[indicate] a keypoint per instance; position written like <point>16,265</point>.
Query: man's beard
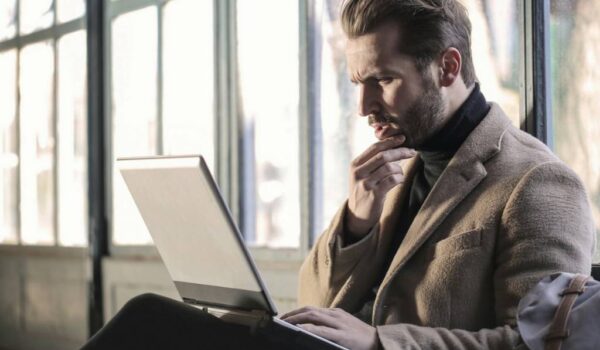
<point>422,119</point>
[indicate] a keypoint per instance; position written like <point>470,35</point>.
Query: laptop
<point>201,246</point>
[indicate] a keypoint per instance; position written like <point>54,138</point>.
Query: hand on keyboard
<point>336,325</point>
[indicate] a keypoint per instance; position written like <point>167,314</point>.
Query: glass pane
<point>7,19</point>
<point>72,142</point>
<point>34,15</point>
<point>9,158</point>
<point>134,74</point>
<point>37,144</point>
<point>575,49</point>
<point>495,45</point>
<point>188,80</point>
<point>345,135</point>
<point>69,9</point>
<point>269,99</point>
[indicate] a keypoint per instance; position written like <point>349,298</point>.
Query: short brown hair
<point>428,26</point>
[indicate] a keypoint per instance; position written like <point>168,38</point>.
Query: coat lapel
<point>464,172</point>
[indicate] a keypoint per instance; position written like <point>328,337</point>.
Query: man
<point>436,257</point>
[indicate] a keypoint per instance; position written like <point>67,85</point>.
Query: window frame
<point>535,88</point>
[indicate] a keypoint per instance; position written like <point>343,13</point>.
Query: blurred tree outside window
<point>575,53</point>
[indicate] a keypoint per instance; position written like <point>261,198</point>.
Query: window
<point>9,161</point>
<point>495,44</point>
<point>72,141</point>
<point>134,76</point>
<point>35,15</point>
<point>43,156</point>
<point>8,22</point>
<point>37,146</point>
<point>268,72</point>
<point>575,89</point>
<point>161,92</point>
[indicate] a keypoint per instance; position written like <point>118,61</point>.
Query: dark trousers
<point>151,321</point>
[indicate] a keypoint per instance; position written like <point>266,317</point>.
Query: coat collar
<point>464,172</point>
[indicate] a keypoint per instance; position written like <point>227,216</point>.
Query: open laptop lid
<point>194,232</point>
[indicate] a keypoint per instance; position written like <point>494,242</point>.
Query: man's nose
<point>367,101</point>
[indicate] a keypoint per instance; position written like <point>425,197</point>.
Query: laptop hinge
<point>251,318</point>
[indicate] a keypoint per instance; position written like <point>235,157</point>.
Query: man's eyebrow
<point>383,72</point>
<point>374,75</point>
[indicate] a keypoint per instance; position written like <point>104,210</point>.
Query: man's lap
<point>151,321</point>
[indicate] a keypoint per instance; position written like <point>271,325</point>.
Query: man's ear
<point>450,66</point>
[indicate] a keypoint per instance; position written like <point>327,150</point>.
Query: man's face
<point>397,98</point>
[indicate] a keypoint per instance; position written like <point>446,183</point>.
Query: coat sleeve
<point>546,227</point>
<point>330,266</point>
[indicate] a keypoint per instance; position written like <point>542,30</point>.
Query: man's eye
<point>385,80</point>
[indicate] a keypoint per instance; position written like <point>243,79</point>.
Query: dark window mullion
<point>309,114</point>
<point>97,158</point>
<point>536,111</point>
<point>159,81</point>
<point>541,67</point>
<point>229,159</point>
<point>18,122</point>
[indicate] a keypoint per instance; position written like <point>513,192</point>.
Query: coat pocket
<point>456,243</point>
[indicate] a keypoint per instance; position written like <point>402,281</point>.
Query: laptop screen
<point>193,232</point>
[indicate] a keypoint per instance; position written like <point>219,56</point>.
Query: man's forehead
<point>374,52</point>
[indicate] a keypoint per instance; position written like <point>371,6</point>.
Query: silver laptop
<point>202,247</point>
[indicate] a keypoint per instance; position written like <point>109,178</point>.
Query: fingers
<point>293,312</point>
<point>372,181</point>
<point>331,311</point>
<point>313,315</point>
<point>389,182</point>
<point>377,147</point>
<point>383,158</point>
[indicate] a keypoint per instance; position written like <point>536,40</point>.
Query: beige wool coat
<point>503,214</point>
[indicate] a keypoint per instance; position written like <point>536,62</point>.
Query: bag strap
<point>558,328</point>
